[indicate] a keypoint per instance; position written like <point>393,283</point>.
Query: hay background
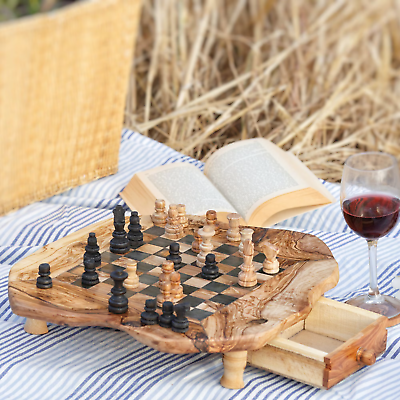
<point>318,78</point>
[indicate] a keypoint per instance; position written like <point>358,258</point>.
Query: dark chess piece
<point>180,323</point>
<point>118,302</point>
<point>210,269</point>
<point>90,277</point>
<point>166,316</point>
<point>135,235</point>
<point>119,244</point>
<point>92,250</point>
<point>44,280</point>
<point>174,255</point>
<point>149,316</point>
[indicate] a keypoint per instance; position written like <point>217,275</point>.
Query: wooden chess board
<point>223,315</point>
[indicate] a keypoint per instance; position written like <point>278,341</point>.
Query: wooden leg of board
<point>234,365</point>
<point>35,326</point>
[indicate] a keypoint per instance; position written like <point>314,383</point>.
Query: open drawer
<point>334,341</point>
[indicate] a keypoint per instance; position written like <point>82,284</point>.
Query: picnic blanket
<point>101,363</point>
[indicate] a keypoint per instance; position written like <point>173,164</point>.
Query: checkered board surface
<point>204,296</point>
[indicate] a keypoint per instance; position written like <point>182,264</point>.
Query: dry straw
<point>63,84</point>
<point>317,77</point>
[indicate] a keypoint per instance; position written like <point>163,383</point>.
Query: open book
<point>254,178</point>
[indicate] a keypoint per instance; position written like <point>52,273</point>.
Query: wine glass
<point>370,201</point>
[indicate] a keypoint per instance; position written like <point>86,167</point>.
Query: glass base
<point>381,304</point>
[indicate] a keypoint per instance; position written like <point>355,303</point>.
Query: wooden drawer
<point>334,341</point>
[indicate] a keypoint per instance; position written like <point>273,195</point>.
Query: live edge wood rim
<point>247,324</point>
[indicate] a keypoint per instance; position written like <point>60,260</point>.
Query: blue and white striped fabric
<point>100,363</point>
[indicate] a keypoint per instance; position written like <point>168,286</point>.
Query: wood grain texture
<point>246,324</point>
<point>313,353</point>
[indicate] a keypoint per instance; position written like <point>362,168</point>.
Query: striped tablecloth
<point>101,363</point>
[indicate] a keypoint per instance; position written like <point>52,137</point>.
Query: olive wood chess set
<point>188,284</point>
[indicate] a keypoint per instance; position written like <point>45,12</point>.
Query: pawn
<point>167,314</point>
<point>210,270</point>
<point>165,293</point>
<point>44,280</point>
<point>211,220</point>
<point>135,235</point>
<point>270,264</point>
<point>92,250</point>
<point>149,316</point>
<point>118,302</point>
<point>174,255</point>
<point>196,242</point>
<point>90,277</point>
<point>159,216</point>
<point>180,323</point>
<point>183,219</point>
<point>233,234</point>
<point>119,244</point>
<point>132,281</point>
<point>176,287</point>
<point>173,228</point>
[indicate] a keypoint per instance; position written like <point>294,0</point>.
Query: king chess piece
<point>135,235</point>
<point>119,244</point>
<point>92,250</point>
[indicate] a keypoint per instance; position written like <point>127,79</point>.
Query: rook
<point>180,323</point>
<point>149,316</point>
<point>247,277</point>
<point>166,316</point>
<point>118,303</point>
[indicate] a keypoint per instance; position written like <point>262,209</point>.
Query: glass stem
<point>373,267</point>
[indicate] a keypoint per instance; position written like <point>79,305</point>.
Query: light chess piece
<point>247,276</point>
<point>183,219</point>
<point>159,216</point>
<point>165,293</point>
<point>270,264</point>
<point>206,233</point>
<point>176,287</point>
<point>167,269</point>
<point>173,228</point>
<point>196,242</point>
<point>211,220</point>
<point>233,233</point>
<point>245,234</point>
<point>132,281</point>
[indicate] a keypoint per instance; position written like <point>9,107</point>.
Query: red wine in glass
<point>371,216</point>
<point>370,200</point>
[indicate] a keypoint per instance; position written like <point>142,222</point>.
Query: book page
<point>183,183</point>
<point>248,173</point>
